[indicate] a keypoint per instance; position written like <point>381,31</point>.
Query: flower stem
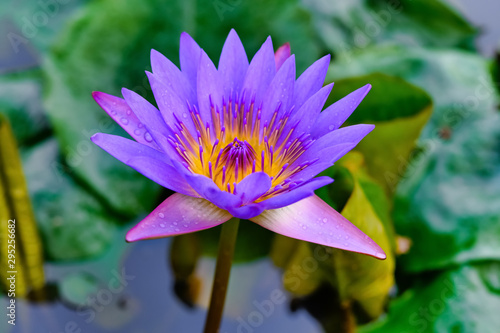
<point>227,244</point>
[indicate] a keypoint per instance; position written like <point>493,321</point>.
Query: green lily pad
<point>399,111</point>
<point>448,201</point>
<point>349,27</point>
<point>73,223</point>
<point>458,300</point>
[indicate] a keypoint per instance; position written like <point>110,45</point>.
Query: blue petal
<point>149,116</point>
<point>209,89</point>
<point>149,162</point>
<point>253,186</point>
<point>172,77</point>
<point>311,80</point>
<point>259,74</point>
<point>297,194</point>
<point>233,64</point>
<point>189,56</point>
<point>335,115</point>
<point>280,92</point>
<point>124,116</point>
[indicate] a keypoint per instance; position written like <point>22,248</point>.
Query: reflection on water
<point>134,292</point>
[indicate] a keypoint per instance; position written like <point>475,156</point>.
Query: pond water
<point>144,301</point>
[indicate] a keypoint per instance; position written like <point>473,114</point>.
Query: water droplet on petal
<point>137,132</point>
<point>331,127</point>
<point>346,237</point>
<point>113,112</point>
<point>325,220</point>
<point>148,137</point>
<point>162,225</point>
<point>185,115</point>
<point>124,121</point>
<point>176,229</point>
<point>161,215</point>
<point>175,223</point>
<point>140,125</point>
<point>129,112</point>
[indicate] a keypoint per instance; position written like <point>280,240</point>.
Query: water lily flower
<point>243,140</point>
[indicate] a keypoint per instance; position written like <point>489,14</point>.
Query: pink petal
<point>178,214</point>
<point>313,220</point>
<point>281,55</point>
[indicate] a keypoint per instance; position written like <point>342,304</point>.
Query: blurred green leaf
<point>357,277</point>
<point>21,101</point>
<point>349,27</point>
<point>448,201</point>
<point>73,223</point>
<point>399,110</point>
<point>457,300</point>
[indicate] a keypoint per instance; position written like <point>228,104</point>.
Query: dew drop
<point>185,225</point>
<point>137,132</point>
<point>185,115</point>
<point>140,125</point>
<point>175,223</point>
<point>162,225</point>
<point>161,215</point>
<point>124,121</point>
<point>331,127</point>
<point>325,220</point>
<point>113,113</point>
<point>176,229</point>
<point>304,227</point>
<point>346,237</point>
<point>148,137</point>
<point>129,112</point>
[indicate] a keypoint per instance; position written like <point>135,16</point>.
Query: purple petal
<point>335,115</point>
<point>173,78</point>
<point>209,89</point>
<point>332,141</point>
<point>170,105</point>
<point>304,118</point>
<point>206,188</point>
<point>233,64</point>
<point>148,161</point>
<point>260,73</point>
<point>328,156</point>
<point>281,55</point>
<point>178,214</point>
<point>189,56</point>
<point>149,116</point>
<point>313,220</point>
<point>296,194</point>
<point>246,212</point>
<point>253,187</point>
<point>120,112</point>
<point>280,91</point>
<point>311,80</point>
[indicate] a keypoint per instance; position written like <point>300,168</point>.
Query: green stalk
<point>227,244</point>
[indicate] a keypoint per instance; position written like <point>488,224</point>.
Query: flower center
<point>238,144</point>
<point>235,162</point>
